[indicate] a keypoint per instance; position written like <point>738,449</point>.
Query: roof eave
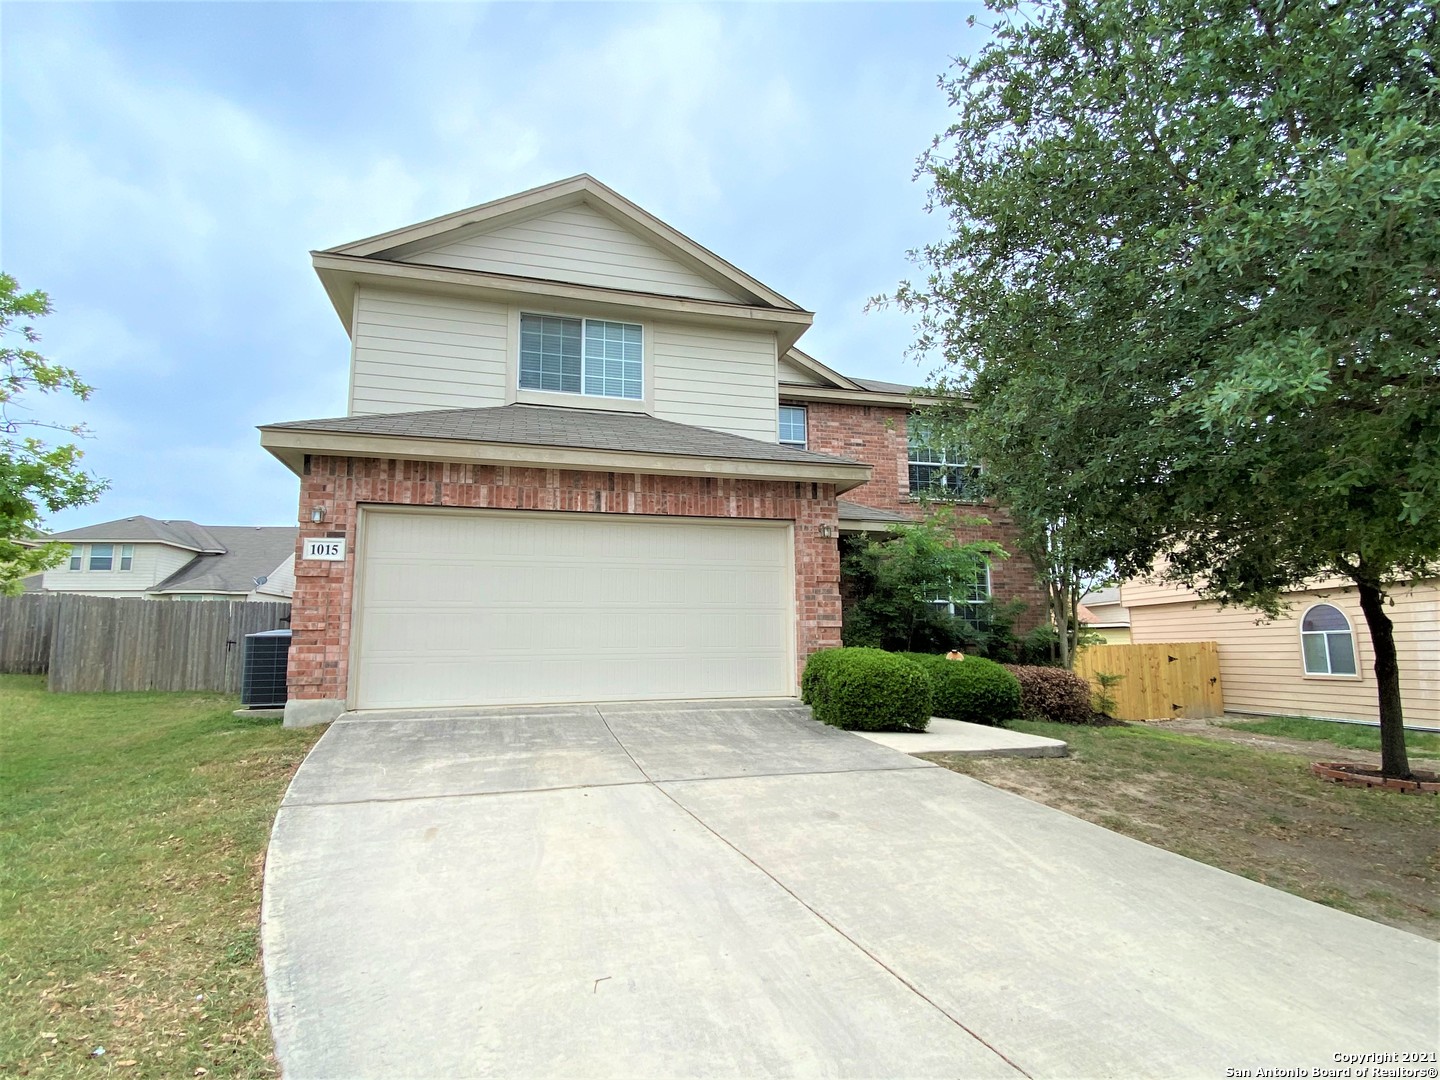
<point>799,392</point>
<point>340,274</point>
<point>292,445</point>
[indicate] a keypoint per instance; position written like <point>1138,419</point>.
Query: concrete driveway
<point>735,890</point>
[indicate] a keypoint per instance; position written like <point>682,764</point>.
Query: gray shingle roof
<point>184,534</point>
<point>887,387</point>
<point>578,429</point>
<point>850,511</point>
<point>250,551</point>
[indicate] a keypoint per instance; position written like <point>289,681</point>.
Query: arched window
<point>1327,642</point>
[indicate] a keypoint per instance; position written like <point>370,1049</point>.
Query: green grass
<point>132,837</point>
<point>1255,812</point>
<point>1350,736</point>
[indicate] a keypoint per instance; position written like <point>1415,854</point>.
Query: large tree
<point>1191,286</point>
<point>35,477</point>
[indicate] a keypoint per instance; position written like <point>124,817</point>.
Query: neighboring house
<point>1316,660</point>
<point>583,460</point>
<point>1102,613</point>
<point>175,560</point>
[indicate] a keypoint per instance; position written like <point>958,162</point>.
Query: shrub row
<point>975,690</point>
<point>866,690</point>
<point>863,689</point>
<point>1048,693</point>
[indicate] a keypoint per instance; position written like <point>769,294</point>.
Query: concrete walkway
<point>972,740</point>
<point>739,891</point>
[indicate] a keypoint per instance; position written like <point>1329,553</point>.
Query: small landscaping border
<point>1368,776</point>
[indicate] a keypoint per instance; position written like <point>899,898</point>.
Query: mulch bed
<point>1353,775</point>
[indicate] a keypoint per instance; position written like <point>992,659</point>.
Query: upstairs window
<point>592,357</point>
<point>938,467</point>
<point>77,556</point>
<point>792,426</point>
<point>1327,642</point>
<point>127,556</point>
<point>102,556</point>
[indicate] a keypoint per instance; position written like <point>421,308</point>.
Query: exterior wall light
<point>317,514</point>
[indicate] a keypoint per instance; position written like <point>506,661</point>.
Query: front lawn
<point>1351,736</point>
<point>132,838</point>
<point>1255,812</point>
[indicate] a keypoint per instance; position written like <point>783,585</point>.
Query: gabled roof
<point>141,529</point>
<point>575,189</point>
<point>250,552</point>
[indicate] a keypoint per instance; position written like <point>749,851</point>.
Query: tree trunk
<point>1394,761</point>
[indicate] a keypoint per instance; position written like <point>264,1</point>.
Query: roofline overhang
<point>291,445</point>
<point>804,360</point>
<point>797,392</point>
<point>341,274</point>
<point>43,540</point>
<point>573,189</point>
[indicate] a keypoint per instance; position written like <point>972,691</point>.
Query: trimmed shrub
<point>974,689</point>
<point>818,665</point>
<point>1050,693</point>
<point>867,690</point>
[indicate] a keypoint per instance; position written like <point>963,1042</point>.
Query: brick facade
<point>321,611</point>
<point>877,435</point>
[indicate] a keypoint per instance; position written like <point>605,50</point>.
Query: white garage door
<point>479,607</point>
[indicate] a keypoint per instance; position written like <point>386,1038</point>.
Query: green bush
<point>974,689</point>
<point>1048,693</point>
<point>867,690</point>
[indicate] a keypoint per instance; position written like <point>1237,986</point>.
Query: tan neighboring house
<point>1317,660</point>
<point>1102,613</point>
<point>174,560</point>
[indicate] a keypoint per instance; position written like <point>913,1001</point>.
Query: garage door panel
<point>480,607</point>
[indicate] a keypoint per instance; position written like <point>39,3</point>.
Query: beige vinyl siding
<point>574,244</point>
<point>715,378</point>
<point>791,372</point>
<point>279,584</point>
<point>1261,667</point>
<point>153,563</point>
<point>413,351</point>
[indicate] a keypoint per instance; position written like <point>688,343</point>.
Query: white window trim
<point>127,557</point>
<point>805,413</point>
<point>516,395</point>
<point>1354,644</point>
<point>943,462</point>
<point>954,607</point>
<point>90,563</point>
<point>77,556</point>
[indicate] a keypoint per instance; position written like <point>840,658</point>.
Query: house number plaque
<point>324,549</point>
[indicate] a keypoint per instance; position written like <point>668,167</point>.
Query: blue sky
<point>167,169</point>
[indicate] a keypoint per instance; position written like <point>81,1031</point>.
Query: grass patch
<point>1350,736</point>
<point>132,835</point>
<point>1255,812</point>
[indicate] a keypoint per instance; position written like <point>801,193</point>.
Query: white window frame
<point>127,556</point>
<point>965,608</point>
<point>95,554</point>
<point>585,359</point>
<point>77,557</point>
<point>1325,635</point>
<point>804,443</point>
<point>951,466</point>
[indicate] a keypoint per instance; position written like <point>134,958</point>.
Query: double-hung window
<point>792,426</point>
<point>127,556</point>
<point>938,466</point>
<point>77,556</point>
<point>593,357</point>
<point>102,556</point>
<point>970,600</point>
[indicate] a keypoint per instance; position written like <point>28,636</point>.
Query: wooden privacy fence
<point>1160,681</point>
<point>93,643</point>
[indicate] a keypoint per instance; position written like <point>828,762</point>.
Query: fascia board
<point>341,273</point>
<point>810,364</point>
<point>290,445</point>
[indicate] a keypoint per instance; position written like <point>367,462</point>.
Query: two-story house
<point>583,460</point>
<point>144,557</point>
